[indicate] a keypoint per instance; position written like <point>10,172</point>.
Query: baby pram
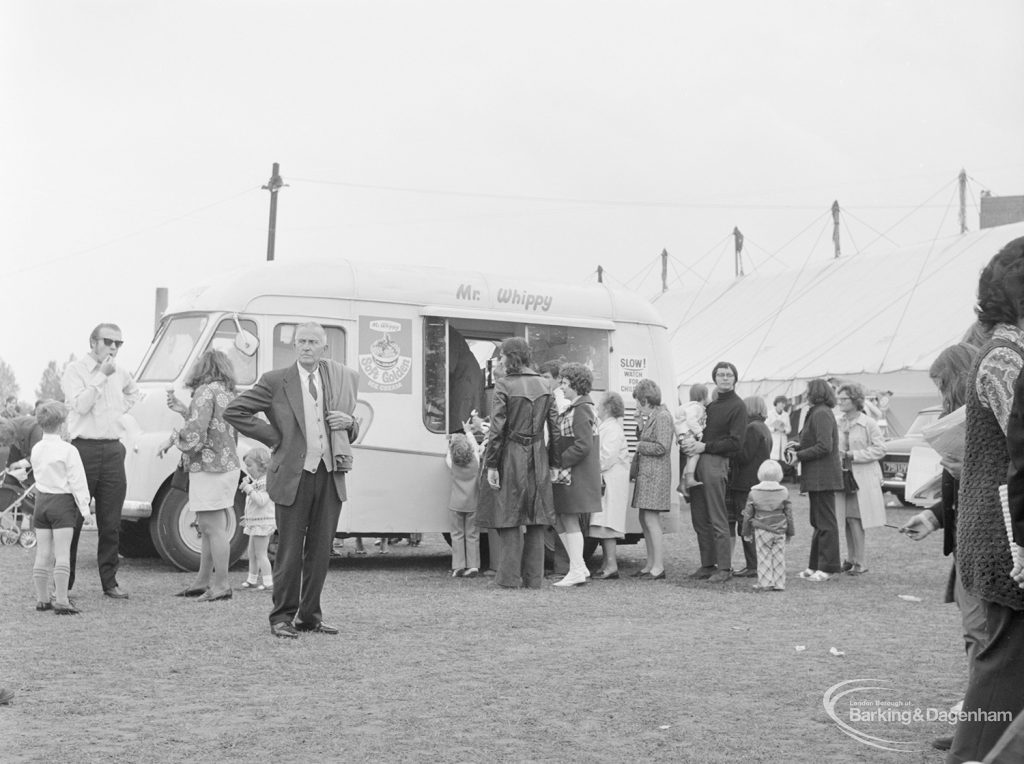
<point>18,502</point>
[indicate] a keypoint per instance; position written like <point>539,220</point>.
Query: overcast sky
<point>538,137</point>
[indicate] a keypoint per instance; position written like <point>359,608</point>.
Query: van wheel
<point>134,539</point>
<point>175,534</point>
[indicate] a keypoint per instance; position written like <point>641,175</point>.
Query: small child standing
<point>260,522</point>
<point>62,493</point>
<point>689,421</point>
<point>768,519</point>
<point>464,463</point>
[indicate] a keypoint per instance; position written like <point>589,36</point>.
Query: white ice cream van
<point>422,339</point>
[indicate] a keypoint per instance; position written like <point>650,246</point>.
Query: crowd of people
<point>551,456</point>
<point>294,485</point>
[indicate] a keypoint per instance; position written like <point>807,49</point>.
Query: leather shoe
<point>652,576</point>
<point>703,573</point>
<point>720,577</point>
<point>209,596</point>
<point>639,573</point>
<point>115,593</point>
<point>284,629</point>
<point>65,610</point>
<point>193,591</point>
<point>604,575</point>
<point>320,628</point>
<point>43,606</point>
<point>942,743</point>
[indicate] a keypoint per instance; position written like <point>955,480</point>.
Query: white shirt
<point>58,469</point>
<point>317,444</point>
<point>97,402</point>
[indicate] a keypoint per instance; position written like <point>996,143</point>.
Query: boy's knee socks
<point>61,574</point>
<point>41,582</point>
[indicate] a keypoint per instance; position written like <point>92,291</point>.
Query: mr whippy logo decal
<point>385,346</point>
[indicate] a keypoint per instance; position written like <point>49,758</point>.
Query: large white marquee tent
<point>878,320</point>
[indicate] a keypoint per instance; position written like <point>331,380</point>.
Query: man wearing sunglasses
<point>98,393</point>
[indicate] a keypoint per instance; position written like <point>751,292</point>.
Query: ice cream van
<point>423,341</point>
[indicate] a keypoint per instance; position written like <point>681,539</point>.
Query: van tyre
<point>175,536</point>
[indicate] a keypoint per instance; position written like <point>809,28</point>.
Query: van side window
<point>223,339</point>
<point>571,344</point>
<point>435,374</point>
<point>284,347</point>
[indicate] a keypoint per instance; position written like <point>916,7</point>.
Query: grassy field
<point>429,668</point>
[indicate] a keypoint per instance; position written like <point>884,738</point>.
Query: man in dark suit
<point>309,407</point>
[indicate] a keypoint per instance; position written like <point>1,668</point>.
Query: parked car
<point>897,453</point>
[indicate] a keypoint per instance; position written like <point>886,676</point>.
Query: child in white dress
<point>260,522</point>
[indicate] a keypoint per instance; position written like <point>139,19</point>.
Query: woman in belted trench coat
<point>517,468</point>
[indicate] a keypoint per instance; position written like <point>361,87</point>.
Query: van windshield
<point>174,345</point>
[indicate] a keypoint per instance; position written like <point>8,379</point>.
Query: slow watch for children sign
<point>385,346</point>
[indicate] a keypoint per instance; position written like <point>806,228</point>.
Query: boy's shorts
<point>55,511</point>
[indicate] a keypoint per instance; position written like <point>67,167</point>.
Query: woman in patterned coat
<point>207,445</point>
<point>652,493</point>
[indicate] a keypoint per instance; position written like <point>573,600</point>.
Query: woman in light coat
<point>861,448</point>
<point>609,524</point>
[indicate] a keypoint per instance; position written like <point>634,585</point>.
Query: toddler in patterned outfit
<point>768,520</point>
<point>259,521</point>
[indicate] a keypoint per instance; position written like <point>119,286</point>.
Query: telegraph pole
<point>835,227</point>
<point>274,185</point>
<point>962,182</point>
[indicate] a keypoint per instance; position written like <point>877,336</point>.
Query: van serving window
<point>284,347</point>
<point>571,344</point>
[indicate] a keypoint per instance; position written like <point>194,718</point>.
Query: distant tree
<point>49,385</point>
<point>8,384</point>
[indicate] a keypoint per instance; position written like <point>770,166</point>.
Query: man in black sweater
<point>723,437</point>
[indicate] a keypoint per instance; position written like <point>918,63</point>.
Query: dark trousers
<point>737,501</point>
<point>825,541</point>
<point>709,513</point>
<point>520,557</point>
<point>995,687</point>
<point>305,535</point>
<point>104,472</point>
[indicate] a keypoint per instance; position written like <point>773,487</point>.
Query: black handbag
<point>849,481</point>
<point>179,479</point>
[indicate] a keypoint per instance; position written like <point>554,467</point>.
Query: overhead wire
<point>573,200</point>
<point>89,250</point>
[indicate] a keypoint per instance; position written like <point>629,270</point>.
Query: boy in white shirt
<point>61,495</point>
